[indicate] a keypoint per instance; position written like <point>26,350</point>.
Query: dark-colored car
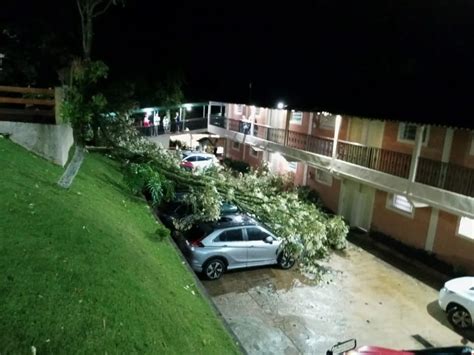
<point>177,209</point>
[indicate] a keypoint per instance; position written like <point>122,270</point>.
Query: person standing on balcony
<point>146,124</point>
<point>156,123</point>
<point>178,122</point>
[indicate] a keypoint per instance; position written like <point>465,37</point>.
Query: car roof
<point>200,154</point>
<point>234,220</point>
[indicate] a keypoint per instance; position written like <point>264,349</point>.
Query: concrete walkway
<point>72,168</point>
<point>280,312</point>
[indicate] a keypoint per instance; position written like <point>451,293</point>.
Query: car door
<point>202,162</point>
<point>259,251</point>
<point>230,244</point>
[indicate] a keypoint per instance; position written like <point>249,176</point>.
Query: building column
<point>416,153</point>
<point>305,174</point>
<point>208,114</point>
<point>336,138</point>
<point>310,125</point>
<point>446,155</point>
<point>431,234</point>
<point>287,126</point>
<point>226,153</point>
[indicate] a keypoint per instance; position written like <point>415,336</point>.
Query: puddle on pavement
<point>270,278</point>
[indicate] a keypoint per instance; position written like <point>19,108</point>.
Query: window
<point>327,121</point>
<point>466,227</point>
<point>232,235</point>
<point>236,145</point>
<point>256,234</point>
<point>257,111</point>
<point>323,177</point>
<point>400,203</point>
<point>253,152</point>
<point>292,166</point>
<point>407,133</point>
<point>238,109</point>
<point>296,117</point>
<point>192,158</point>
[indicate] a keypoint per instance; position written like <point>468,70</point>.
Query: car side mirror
<point>342,347</point>
<point>268,240</point>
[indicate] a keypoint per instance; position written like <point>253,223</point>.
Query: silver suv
<point>235,241</point>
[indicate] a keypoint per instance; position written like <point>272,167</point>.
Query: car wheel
<point>459,317</point>
<point>213,269</point>
<point>286,261</point>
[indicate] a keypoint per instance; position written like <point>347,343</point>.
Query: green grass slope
<point>82,270</point>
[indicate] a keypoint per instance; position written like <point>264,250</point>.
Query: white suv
<point>457,299</point>
<point>199,160</point>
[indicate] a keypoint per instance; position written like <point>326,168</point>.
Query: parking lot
<point>273,311</point>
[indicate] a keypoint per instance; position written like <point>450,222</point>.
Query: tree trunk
<point>88,34</point>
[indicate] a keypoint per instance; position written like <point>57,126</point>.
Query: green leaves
<point>82,103</point>
<point>141,178</point>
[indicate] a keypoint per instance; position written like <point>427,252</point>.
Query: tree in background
<point>89,10</point>
<point>33,57</point>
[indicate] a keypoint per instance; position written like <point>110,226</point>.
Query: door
<point>357,204</point>
<point>230,244</point>
<point>260,252</point>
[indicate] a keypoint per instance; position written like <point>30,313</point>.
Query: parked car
<point>198,160</point>
<point>349,347</point>
<point>457,299</point>
<point>177,209</point>
<point>235,241</point>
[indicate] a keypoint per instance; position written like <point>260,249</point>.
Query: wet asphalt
<point>273,311</point>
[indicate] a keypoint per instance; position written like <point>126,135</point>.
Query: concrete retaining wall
<point>49,141</point>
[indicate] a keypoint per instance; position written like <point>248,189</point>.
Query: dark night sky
<point>411,60</point>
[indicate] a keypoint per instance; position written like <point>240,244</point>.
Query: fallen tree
<point>307,231</point>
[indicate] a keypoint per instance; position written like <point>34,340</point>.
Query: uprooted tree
<point>307,231</point>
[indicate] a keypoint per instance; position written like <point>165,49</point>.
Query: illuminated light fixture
<point>148,110</point>
<point>281,105</point>
<point>1,58</point>
<point>338,117</point>
<point>188,107</point>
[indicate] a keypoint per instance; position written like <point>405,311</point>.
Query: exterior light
<point>280,105</point>
<point>189,107</point>
<point>1,57</point>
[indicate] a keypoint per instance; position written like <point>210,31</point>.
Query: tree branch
<point>98,13</point>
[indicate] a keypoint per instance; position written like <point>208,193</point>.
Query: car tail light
<point>187,164</point>
<point>197,243</point>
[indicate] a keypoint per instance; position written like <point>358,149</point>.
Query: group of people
<point>154,125</point>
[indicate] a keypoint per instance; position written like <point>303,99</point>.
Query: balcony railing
<point>446,176</point>
<point>219,121</point>
<point>195,123</point>
<point>383,160</point>
<point>174,127</point>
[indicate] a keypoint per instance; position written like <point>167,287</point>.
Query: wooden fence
<point>25,104</point>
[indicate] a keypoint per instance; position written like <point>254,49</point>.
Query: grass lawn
<point>83,272</point>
